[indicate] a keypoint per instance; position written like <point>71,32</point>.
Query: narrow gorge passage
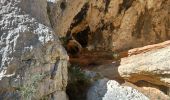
<point>84,49</point>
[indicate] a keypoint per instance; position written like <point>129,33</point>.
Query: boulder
<point>105,89</point>
<point>33,64</point>
<point>150,63</point>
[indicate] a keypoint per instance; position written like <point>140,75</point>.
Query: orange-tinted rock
<point>153,92</point>
<point>115,24</point>
<point>152,66</point>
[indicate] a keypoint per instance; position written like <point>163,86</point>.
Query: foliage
<point>115,55</point>
<point>78,83</point>
<point>76,73</point>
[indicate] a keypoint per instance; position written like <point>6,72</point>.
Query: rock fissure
<point>103,38</point>
<point>54,70</point>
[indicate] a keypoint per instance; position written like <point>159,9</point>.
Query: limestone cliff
<point>113,24</point>
<point>33,60</point>
<point>33,64</point>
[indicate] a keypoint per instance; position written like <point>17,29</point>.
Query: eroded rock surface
<point>152,66</point>
<point>105,89</point>
<point>33,63</point>
<point>153,92</point>
<point>62,12</point>
<point>114,24</point>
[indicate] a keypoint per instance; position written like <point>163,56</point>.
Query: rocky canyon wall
<point>33,64</point>
<point>114,24</point>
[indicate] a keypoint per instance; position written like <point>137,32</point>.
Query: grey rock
<point>60,96</point>
<point>29,50</point>
<point>105,89</point>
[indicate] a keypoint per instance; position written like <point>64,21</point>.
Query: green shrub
<point>115,55</point>
<point>78,83</point>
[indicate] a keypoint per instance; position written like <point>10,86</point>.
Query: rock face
<point>105,89</point>
<point>33,64</point>
<point>153,92</point>
<point>62,12</point>
<point>152,66</point>
<point>114,24</point>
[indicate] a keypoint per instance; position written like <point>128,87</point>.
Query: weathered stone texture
<point>115,24</point>
<point>105,89</point>
<point>152,66</point>
<point>32,61</point>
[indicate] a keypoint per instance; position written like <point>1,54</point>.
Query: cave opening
<point>76,41</point>
<point>82,37</point>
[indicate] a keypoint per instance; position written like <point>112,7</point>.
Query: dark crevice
<point>125,5</point>
<point>82,37</point>
<point>63,5</point>
<point>80,16</point>
<point>107,26</point>
<point>143,25</point>
<point>107,2</point>
<point>102,25</point>
<point>139,26</point>
<point>55,67</point>
<point>27,62</point>
<point>69,36</point>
